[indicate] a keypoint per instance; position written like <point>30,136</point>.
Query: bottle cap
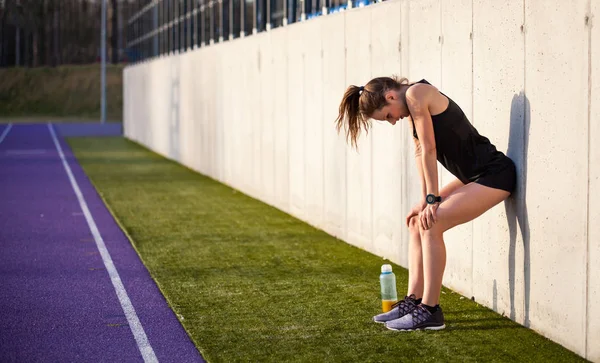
<point>386,268</point>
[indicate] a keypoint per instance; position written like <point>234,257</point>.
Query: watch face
<point>430,198</point>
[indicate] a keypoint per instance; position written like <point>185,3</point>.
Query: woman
<point>441,132</point>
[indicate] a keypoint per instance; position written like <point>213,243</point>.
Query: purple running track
<point>57,300</point>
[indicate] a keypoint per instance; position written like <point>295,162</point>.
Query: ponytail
<point>349,111</point>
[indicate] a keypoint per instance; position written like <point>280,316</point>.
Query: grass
<point>69,92</point>
<point>255,284</point>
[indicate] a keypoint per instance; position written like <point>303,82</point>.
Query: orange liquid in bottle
<point>386,305</point>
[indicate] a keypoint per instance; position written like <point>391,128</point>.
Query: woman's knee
<point>434,232</point>
<point>413,225</point>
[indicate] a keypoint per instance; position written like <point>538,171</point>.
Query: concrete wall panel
<point>227,95</point>
<point>236,122</point>
<point>358,162</point>
<point>266,98</point>
<point>161,90</point>
<point>206,109</point>
<point>456,82</point>
<point>556,50</point>
<point>334,144</point>
<point>137,77</point>
<point>254,112</point>
<point>246,118</point>
<point>201,105</point>
<point>296,109</point>
<point>187,137</point>
<point>215,114</point>
<point>131,78</point>
<point>238,159</point>
<point>128,101</point>
<point>150,108</point>
<point>499,114</point>
<point>387,139</point>
<point>313,121</point>
<point>146,107</point>
<point>593,261</point>
<point>186,110</point>
<point>424,42</point>
<point>218,126</point>
<point>140,98</point>
<point>250,116</point>
<point>281,126</point>
<point>132,126</point>
<point>171,138</point>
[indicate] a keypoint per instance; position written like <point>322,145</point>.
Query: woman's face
<point>394,110</point>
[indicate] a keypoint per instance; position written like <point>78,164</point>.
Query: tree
<point>55,32</point>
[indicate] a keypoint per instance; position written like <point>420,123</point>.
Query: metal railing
<point>160,27</point>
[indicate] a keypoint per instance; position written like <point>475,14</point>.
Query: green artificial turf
<point>251,283</point>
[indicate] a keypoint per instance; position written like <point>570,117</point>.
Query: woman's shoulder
<point>421,91</point>
<point>423,95</point>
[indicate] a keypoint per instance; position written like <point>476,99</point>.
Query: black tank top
<point>460,148</point>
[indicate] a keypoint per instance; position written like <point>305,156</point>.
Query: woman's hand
<point>415,210</point>
<point>428,217</point>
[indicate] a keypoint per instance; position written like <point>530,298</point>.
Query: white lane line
<point>134,322</point>
<point>6,130</point>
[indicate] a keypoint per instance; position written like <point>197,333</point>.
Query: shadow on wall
<point>516,208</point>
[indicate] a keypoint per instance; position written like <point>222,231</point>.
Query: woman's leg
<point>415,259</point>
<point>415,250</point>
<point>463,205</point>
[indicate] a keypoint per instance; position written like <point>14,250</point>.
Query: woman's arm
<point>447,189</point>
<point>419,162</point>
<point>417,100</point>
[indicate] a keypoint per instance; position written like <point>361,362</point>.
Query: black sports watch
<point>432,199</point>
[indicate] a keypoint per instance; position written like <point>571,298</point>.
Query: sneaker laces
<point>406,305</point>
<point>420,314</point>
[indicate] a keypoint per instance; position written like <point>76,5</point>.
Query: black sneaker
<point>419,318</point>
<point>399,309</point>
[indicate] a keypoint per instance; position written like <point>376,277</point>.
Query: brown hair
<point>359,103</point>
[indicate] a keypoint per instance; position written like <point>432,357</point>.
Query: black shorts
<point>501,175</point>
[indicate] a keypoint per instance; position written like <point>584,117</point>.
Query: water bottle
<point>389,296</point>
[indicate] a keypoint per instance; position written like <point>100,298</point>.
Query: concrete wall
<point>258,114</point>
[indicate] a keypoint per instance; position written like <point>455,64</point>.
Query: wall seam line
<point>372,210</point>
<point>324,223</point>
<point>345,232</point>
<point>441,43</point>
<point>473,120</point>
<point>287,106</point>
<point>305,157</point>
<point>587,251</point>
<point>523,156</point>
<point>403,154</point>
<point>261,120</point>
<point>273,121</point>
<point>403,198</point>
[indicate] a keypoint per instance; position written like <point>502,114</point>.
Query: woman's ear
<point>390,95</point>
